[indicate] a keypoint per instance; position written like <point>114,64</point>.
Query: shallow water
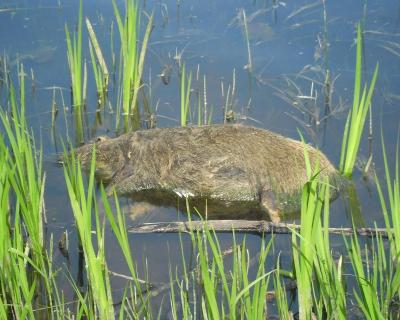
<point>288,66</point>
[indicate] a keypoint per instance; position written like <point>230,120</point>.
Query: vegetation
<point>78,80</point>
<point>132,56</point>
<point>25,268</point>
<point>100,70</point>
<point>357,115</point>
<point>186,87</point>
<point>74,55</point>
<point>218,283</point>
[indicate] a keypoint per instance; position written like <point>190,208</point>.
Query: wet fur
<point>225,163</point>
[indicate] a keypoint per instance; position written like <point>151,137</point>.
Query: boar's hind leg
<point>268,203</point>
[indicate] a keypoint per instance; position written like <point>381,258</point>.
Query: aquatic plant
<point>100,70</point>
<point>280,294</point>
<point>330,296</point>
<point>185,90</point>
<point>373,277</point>
<point>82,200</point>
<point>116,219</point>
<point>390,205</point>
<point>204,114</point>
<point>26,277</point>
<point>311,253</point>
<point>391,208</point>
<point>74,55</point>
<point>132,55</point>
<point>357,114</point>
<point>217,284</point>
<point>226,293</point>
<point>304,250</point>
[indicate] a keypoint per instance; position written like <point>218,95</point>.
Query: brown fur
<point>224,163</point>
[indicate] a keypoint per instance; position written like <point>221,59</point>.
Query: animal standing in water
<point>229,164</point>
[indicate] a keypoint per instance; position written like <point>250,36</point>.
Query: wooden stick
<point>258,227</point>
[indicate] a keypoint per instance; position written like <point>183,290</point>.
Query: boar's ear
<point>268,203</point>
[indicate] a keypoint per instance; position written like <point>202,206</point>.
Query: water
<point>289,60</point>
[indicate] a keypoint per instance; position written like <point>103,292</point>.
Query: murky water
<point>292,44</point>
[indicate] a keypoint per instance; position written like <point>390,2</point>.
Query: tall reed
<point>356,119</point>
<point>116,220</point>
<point>371,276</point>
<point>185,90</point>
<point>74,55</point>
<point>225,292</point>
<point>100,70</point>
<point>133,56</point>
<point>391,206</point>
<point>319,280</point>
<point>82,203</point>
<point>26,278</point>
<point>329,289</point>
<point>98,77</point>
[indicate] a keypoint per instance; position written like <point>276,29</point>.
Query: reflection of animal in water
<point>139,210</point>
<point>42,54</point>
<point>233,166</point>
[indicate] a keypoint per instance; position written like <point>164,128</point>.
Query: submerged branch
<point>259,227</point>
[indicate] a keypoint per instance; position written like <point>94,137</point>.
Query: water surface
<point>292,45</point>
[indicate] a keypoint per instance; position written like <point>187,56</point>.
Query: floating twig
<point>259,227</point>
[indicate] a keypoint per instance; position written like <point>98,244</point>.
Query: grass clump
<point>330,287</point>
<point>391,206</point>
<point>376,268</point>
<point>133,56</point>
<point>371,277</point>
<point>304,250</point>
<point>96,266</point>
<point>74,55</point>
<point>84,206</point>
<point>357,115</point>
<point>320,287</point>
<point>78,78</point>
<point>100,70</point>
<point>228,286</point>
<point>26,278</point>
